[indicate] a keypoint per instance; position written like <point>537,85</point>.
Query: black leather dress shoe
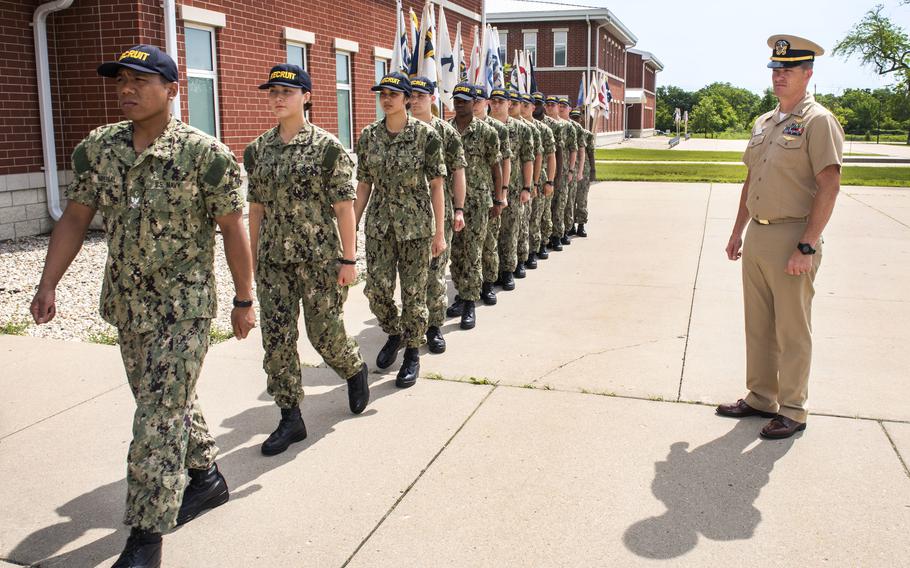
<point>436,343</point>
<point>389,352</point>
<point>543,253</point>
<point>410,368</point>
<point>290,429</point>
<point>781,427</point>
<point>519,270</point>
<point>454,310</point>
<point>488,294</point>
<point>142,550</point>
<point>468,318</point>
<point>506,281</point>
<point>359,390</point>
<point>740,409</point>
<point>580,232</point>
<point>555,244</point>
<point>206,490</point>
<point>531,263</point>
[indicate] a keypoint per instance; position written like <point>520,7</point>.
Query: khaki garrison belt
<point>781,220</point>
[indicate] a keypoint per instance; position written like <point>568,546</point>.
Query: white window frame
<point>565,46</point>
<point>526,45</point>
<point>388,65</point>
<point>504,45</point>
<point>306,52</point>
<point>349,88</point>
<point>206,74</point>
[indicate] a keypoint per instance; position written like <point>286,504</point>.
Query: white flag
<point>448,66</point>
<point>494,76</point>
<point>458,51</point>
<point>401,55</point>
<point>427,65</point>
<point>474,67</point>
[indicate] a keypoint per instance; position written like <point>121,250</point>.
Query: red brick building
<point>224,51</point>
<point>570,43</point>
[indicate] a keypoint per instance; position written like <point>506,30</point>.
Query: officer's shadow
<point>710,490</point>
<point>241,462</point>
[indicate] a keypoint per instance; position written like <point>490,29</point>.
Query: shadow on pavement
<point>710,491</point>
<point>101,509</point>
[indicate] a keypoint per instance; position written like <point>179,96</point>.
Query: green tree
<point>745,103</point>
<point>712,114</point>
<point>767,103</point>
<point>670,98</point>
<point>865,109</point>
<point>882,45</point>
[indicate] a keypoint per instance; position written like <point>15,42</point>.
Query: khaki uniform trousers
<point>778,316</point>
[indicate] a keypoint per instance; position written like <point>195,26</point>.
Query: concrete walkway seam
<point>897,452</point>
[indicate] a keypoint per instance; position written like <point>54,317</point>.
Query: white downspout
<point>170,46</point>
<point>45,105</point>
<point>588,74</point>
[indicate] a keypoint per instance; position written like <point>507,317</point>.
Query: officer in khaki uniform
<point>303,234</point>
<point>794,158</point>
<point>161,186</point>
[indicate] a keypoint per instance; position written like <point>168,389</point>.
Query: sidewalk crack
<point>900,458</point>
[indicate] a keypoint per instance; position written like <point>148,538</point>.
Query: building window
<point>382,67</point>
<point>202,79</point>
<point>297,55</point>
<point>503,46</point>
<point>343,92</point>
<point>530,45</point>
<point>559,49</point>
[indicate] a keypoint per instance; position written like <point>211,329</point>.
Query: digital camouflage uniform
<point>541,202</point>
<point>453,152</point>
<point>546,216</point>
<point>490,258</point>
<point>524,231</point>
<point>561,195</point>
<point>581,197</point>
<point>399,222</point>
<point>298,184</point>
<point>569,213</point>
<point>521,140</point>
<point>159,292</point>
<point>481,150</point>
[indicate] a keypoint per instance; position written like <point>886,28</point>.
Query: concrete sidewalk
<point>556,433</point>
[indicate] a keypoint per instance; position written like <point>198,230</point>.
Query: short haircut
<point>808,65</point>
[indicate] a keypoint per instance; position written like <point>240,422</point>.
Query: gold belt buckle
<point>763,221</point>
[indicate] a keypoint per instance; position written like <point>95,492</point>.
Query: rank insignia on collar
<point>794,129</point>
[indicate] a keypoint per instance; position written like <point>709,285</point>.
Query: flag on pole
<point>581,92</point>
<point>474,66</point>
<point>494,64</point>
<point>415,43</point>
<point>514,80</point>
<point>533,84</point>
<point>401,55</point>
<point>448,68</point>
<point>458,51</point>
<point>427,64</point>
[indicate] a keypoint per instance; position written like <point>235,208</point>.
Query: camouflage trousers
<point>509,232</point>
<point>490,259</point>
<point>436,282</point>
<point>410,261</point>
<point>535,221</point>
<point>569,212</point>
<point>558,207</point>
<point>581,201</point>
<point>467,253</point>
<point>524,230</point>
<point>169,432</point>
<point>281,288</point>
<point>546,219</point>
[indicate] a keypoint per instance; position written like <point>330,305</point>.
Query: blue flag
<point>581,92</point>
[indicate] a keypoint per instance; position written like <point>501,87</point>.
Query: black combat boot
<point>206,490</point>
<point>519,270</point>
<point>359,390</point>
<point>142,550</point>
<point>389,352</point>
<point>554,243</point>
<point>571,231</point>
<point>506,281</point>
<point>581,231</point>
<point>291,429</point>
<point>436,343</point>
<point>487,294</point>
<point>410,368</point>
<point>531,263</point>
<point>468,318</point>
<point>454,310</point>
<point>565,239</point>
<point>543,253</point>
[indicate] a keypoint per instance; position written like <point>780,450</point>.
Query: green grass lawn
<point>642,154</point>
<point>721,173</point>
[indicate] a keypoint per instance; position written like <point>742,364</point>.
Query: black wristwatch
<point>498,202</point>
<point>347,262</point>
<point>528,189</point>
<point>805,248</point>
<point>505,187</point>
<point>242,303</point>
<point>456,209</point>
<point>548,182</point>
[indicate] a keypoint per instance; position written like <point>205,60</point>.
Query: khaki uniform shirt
<point>159,209</point>
<point>784,156</point>
<point>299,183</point>
<point>399,167</point>
<point>481,151</point>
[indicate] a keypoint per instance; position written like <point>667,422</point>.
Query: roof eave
<point>629,39</point>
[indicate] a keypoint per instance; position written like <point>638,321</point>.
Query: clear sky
<point>703,41</point>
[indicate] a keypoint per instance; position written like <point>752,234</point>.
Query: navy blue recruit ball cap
<point>526,98</point>
<point>564,101</point>
<point>142,58</point>
<point>463,91</point>
<point>288,75</point>
<point>574,112</point>
<point>480,92</point>
<point>538,97</point>
<point>394,82</point>
<point>422,85</point>
<point>514,96</point>
<point>499,94</point>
